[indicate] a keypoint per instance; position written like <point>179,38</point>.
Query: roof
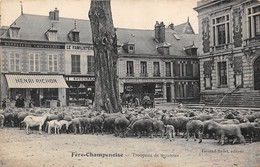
<point>143,39</point>
<point>33,27</point>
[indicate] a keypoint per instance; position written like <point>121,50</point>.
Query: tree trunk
<point>105,57</point>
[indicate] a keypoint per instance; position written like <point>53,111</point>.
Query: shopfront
<point>81,90</point>
<point>42,90</point>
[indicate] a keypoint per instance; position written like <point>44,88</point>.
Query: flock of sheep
<point>222,124</point>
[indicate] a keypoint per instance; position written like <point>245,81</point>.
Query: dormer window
<point>191,50</point>
<point>52,35</point>
<point>74,33</point>
<point>14,32</point>
<point>164,48</point>
<point>128,47</point>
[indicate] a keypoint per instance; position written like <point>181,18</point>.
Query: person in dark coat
<point>19,102</point>
<point>3,104</point>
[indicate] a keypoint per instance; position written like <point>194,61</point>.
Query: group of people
<point>129,100</point>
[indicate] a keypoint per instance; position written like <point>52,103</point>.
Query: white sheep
<point>53,124</point>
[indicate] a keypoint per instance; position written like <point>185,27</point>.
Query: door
<point>257,74</point>
<point>35,97</point>
<point>168,93</point>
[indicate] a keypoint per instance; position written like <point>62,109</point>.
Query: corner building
<point>229,52</point>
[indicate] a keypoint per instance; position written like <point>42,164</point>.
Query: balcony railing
<point>223,47</point>
<point>253,41</point>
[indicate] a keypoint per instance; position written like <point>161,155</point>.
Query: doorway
<point>257,74</point>
<point>35,97</point>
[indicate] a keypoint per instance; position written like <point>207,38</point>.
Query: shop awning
<point>35,81</point>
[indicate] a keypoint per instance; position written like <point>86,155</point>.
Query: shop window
<point>90,64</point>
<point>222,73</point>
<point>34,62</point>
<point>130,68</point>
<point>53,63</point>
<point>14,62</point>
<point>75,63</point>
<point>143,68</point>
<point>156,66</point>
<point>158,93</point>
<point>168,69</point>
<point>50,94</point>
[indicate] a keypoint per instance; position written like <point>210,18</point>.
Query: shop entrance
<point>34,93</point>
<point>257,74</point>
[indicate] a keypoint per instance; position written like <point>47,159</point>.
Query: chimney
<point>51,15</point>
<point>171,26</point>
<point>56,14</point>
<point>159,32</point>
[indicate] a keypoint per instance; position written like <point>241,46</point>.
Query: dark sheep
<point>2,120</point>
<point>109,124</point>
<point>85,124</point>
<point>21,117</point>
<point>247,129</point>
<point>75,125</point>
<point>121,125</point>
<point>195,127</point>
<point>179,123</point>
<point>143,125</point>
<point>158,127</point>
<point>97,124</point>
<point>230,130</point>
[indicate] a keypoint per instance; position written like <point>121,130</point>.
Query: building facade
<point>161,63</point>
<point>229,52</point>
<point>55,61</point>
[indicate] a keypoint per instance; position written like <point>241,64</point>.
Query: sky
<point>134,14</point>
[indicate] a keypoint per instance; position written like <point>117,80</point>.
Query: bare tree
<point>105,56</point>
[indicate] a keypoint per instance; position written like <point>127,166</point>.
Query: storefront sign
<point>33,80</point>
<point>33,45</point>
<point>79,47</point>
<point>80,78</point>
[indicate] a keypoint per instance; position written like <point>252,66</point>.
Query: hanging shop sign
<point>80,78</point>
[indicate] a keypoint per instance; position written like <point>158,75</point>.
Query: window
<point>220,29</point>
<point>168,69</point>
<point>254,22</point>
<point>143,68</point>
<point>130,68</point>
<point>75,36</point>
<point>90,64</point>
<point>156,67</point>
<point>34,64</point>
<point>158,93</point>
<point>52,35</point>
<point>75,63</point>
<point>257,25</point>
<point>131,48</point>
<point>14,61</point>
<point>53,63</point>
<point>222,73</point>
<point>221,34</point>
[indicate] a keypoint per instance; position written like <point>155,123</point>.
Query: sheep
<point>97,124</point>
<point>230,121</point>
<point>170,132</point>
<point>158,127</point>
<point>2,120</point>
<point>121,125</point>
<point>53,124</point>
<point>179,123</point>
<point>196,127</point>
<point>247,129</point>
<point>227,130</point>
<point>31,121</point>
<point>61,123</point>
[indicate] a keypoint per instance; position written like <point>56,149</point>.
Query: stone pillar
<point>173,91</point>
<point>164,91</point>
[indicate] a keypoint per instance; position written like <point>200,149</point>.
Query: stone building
<point>162,63</point>
<point>229,52</point>
<point>46,58</point>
